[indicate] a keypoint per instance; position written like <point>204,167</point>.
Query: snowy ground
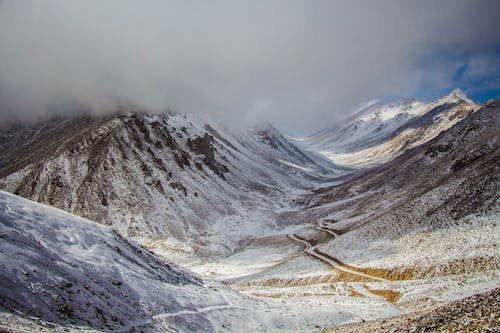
<point>62,272</point>
<point>281,287</point>
<point>275,261</point>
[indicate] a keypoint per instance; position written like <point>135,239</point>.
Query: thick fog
<point>298,64</point>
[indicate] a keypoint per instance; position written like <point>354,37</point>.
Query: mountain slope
<point>408,233</point>
<point>373,123</point>
<point>411,233</point>
<point>168,180</point>
<point>390,215</point>
<point>381,132</point>
<point>276,147</point>
<point>67,270</point>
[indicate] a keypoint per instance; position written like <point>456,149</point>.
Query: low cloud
<point>297,64</point>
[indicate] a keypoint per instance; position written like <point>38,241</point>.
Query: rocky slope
<point>67,270</point>
<point>62,273</point>
<point>191,189</point>
<point>168,179</point>
<point>441,196</point>
<point>478,313</point>
<point>278,221</point>
<point>414,233</point>
<point>380,132</point>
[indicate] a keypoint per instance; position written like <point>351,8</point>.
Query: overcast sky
<point>298,64</point>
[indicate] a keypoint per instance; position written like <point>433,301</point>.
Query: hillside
<point>413,233</point>
<point>380,132</point>
<point>67,270</point>
<point>161,179</point>
<point>63,273</point>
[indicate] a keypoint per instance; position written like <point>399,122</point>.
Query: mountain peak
<point>457,93</point>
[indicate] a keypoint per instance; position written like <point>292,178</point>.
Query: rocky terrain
<point>443,185</point>
<point>415,232</point>
<point>478,313</point>
<point>159,179</point>
<point>64,273</point>
<point>298,242</point>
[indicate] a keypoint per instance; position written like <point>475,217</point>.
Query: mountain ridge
<point>384,131</point>
<point>379,241</point>
<point>154,176</point>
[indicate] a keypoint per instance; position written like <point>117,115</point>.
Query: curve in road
<point>331,261</point>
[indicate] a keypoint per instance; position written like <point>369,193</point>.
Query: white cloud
<point>294,63</point>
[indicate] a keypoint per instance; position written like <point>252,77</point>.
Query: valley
<point>393,213</point>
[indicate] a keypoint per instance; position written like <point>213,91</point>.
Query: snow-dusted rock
<point>195,189</point>
<point>379,132</point>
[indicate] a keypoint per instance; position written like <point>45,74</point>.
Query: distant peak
<point>459,94</point>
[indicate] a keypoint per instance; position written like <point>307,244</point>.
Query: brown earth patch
<point>350,277</point>
<point>389,295</point>
<point>395,274</point>
<point>457,266</point>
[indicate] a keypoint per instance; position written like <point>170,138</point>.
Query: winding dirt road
<point>329,260</point>
<point>358,287</point>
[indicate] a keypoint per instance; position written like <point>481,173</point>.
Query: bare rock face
<point>203,145</point>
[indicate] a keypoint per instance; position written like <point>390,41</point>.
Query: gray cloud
<point>295,63</point>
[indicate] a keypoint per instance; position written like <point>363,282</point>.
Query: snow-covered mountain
<point>313,244</point>
<point>372,123</point>
<point>379,132</point>
<point>434,206</point>
<point>415,232</point>
<point>195,189</point>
